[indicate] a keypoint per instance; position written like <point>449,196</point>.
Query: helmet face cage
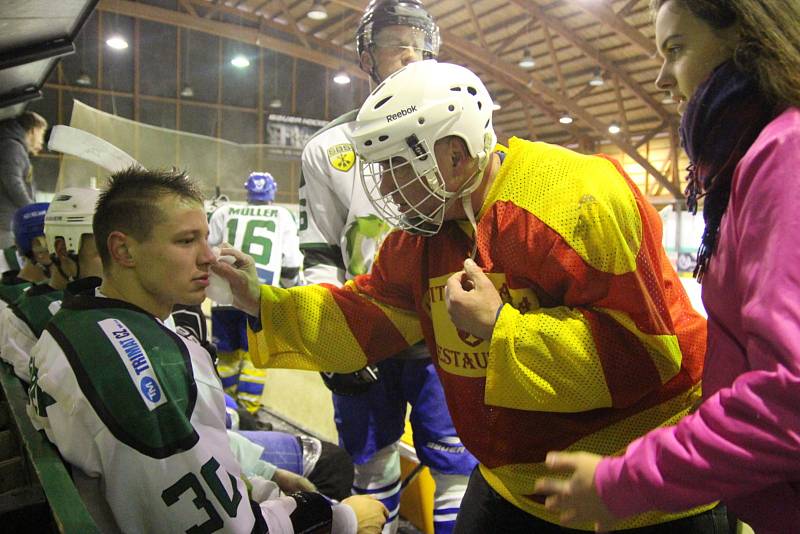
<point>413,197</point>
<point>28,224</point>
<point>410,13</point>
<point>261,187</point>
<point>69,217</point>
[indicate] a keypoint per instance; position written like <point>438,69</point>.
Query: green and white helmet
<point>398,126</point>
<point>70,216</point>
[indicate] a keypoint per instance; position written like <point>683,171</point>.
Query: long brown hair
<point>769,40</point>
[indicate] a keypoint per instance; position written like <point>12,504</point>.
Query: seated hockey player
<point>138,409</point>
<point>300,461</point>
<point>27,262</point>
<point>68,231</point>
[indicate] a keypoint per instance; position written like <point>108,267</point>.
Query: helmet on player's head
<point>382,13</point>
<point>28,224</point>
<point>261,187</point>
<point>398,126</point>
<point>70,216</point>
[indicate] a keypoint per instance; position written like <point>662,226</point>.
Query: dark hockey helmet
<point>382,13</point>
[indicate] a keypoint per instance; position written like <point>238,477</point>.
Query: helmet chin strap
<point>469,186</point>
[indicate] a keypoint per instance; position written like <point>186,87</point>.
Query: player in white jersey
<point>68,232</point>
<point>139,410</point>
<point>268,233</point>
<point>339,235</point>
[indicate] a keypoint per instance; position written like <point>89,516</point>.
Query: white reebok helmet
<point>69,216</point>
<point>398,126</point>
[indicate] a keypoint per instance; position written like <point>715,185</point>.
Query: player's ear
<point>365,62</point>
<point>119,248</point>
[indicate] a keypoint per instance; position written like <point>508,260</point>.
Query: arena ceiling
<point>571,41</point>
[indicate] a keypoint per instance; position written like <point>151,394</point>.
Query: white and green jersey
<point>266,232</point>
<point>22,323</point>
<point>339,229</point>
<point>140,410</point>
<point>10,259</point>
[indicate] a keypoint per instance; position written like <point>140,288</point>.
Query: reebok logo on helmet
<point>402,113</point>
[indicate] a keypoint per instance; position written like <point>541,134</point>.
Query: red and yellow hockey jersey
<point>597,342</point>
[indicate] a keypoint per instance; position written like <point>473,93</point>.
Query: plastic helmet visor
<point>421,42</point>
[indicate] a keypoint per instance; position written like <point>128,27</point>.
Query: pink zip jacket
<point>743,444</point>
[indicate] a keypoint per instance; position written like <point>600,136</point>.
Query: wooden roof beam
<point>621,108</point>
<point>604,14</point>
<point>475,23</point>
<point>293,23</point>
<point>554,59</point>
<point>651,134</point>
<point>228,31</point>
<point>583,45</point>
<point>188,7</point>
<point>515,77</point>
<point>626,9</point>
<point>527,27</point>
<point>265,20</point>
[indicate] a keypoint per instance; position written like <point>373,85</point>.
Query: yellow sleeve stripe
<point>582,198</point>
<point>545,360</point>
<point>302,329</point>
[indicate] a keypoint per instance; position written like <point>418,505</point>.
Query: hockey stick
<point>89,147</point>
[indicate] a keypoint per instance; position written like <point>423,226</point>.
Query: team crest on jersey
<point>342,156</point>
<point>136,362</point>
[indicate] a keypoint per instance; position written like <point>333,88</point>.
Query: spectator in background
<point>19,137</point>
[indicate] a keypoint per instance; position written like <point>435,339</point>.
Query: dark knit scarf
<point>723,118</point>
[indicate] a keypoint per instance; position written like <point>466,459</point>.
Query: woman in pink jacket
<point>733,66</point>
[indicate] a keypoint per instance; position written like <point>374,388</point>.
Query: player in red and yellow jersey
<point>566,329</point>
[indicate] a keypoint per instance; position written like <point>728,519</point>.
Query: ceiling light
<point>317,11</point>
<point>597,80</point>
<point>240,61</point>
<point>275,103</point>
<point>614,128</point>
<point>83,79</point>
<point>117,42</point>
<point>565,119</point>
<point>341,77</point>
<point>187,91</point>
<point>527,61</point>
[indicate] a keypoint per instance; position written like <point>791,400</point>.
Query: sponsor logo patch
<point>136,362</point>
<point>342,156</point>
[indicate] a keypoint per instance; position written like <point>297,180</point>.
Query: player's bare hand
<point>472,301</point>
<point>575,498</point>
<point>370,512</point>
<point>290,482</point>
<point>243,279</point>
